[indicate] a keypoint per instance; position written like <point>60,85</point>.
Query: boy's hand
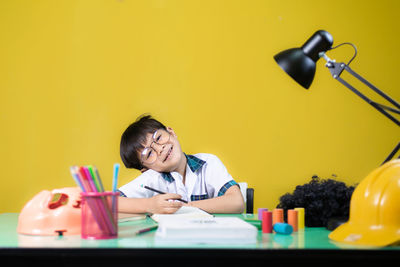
<point>162,204</point>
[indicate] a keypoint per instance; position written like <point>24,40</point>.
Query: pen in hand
<point>160,192</point>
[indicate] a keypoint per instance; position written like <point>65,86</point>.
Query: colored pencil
<point>96,172</point>
<point>145,230</point>
<point>98,205</point>
<point>102,203</point>
<point>82,184</point>
<point>114,185</point>
<point>95,180</point>
<point>115,177</point>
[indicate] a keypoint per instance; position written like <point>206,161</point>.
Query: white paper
<point>206,230</point>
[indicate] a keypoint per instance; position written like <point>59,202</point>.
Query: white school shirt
<point>206,177</point>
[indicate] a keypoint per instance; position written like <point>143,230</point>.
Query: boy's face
<point>168,155</point>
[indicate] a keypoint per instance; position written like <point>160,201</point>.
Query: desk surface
<point>312,243</point>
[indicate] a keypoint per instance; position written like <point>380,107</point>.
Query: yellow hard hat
<point>374,209</point>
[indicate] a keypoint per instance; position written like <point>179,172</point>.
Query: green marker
<point>96,179</point>
<point>256,223</point>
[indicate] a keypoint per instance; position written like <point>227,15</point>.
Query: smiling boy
<point>200,179</point>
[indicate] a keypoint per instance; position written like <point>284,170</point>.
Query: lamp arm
<point>336,70</point>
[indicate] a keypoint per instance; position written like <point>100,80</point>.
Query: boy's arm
<point>156,204</point>
<point>231,202</point>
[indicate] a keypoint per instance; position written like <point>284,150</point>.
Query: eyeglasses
<point>149,155</point>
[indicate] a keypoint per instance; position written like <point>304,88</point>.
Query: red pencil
<point>144,230</point>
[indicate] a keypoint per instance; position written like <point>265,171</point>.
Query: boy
<point>201,179</point>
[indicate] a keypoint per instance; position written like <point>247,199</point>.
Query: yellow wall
<point>74,74</point>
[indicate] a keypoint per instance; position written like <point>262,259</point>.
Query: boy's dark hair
<point>322,200</point>
<point>134,137</point>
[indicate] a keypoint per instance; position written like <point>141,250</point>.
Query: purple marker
<point>260,212</point>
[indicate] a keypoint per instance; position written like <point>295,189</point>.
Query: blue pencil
<point>115,177</point>
<point>76,178</point>
<point>114,185</point>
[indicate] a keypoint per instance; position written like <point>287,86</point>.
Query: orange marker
<point>292,219</point>
<point>277,216</point>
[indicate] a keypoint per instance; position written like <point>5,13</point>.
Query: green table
<point>311,244</point>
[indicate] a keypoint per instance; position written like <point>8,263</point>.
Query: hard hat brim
<point>368,236</point>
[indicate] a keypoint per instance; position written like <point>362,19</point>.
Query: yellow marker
<point>300,218</point>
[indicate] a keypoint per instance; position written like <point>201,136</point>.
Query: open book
<point>184,212</point>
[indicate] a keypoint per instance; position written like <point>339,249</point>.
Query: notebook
<point>214,230</point>
<point>184,212</point>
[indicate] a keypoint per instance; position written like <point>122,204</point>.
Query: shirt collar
<point>167,176</point>
<point>193,162</point>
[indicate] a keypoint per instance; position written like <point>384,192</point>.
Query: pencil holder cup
<point>99,215</point>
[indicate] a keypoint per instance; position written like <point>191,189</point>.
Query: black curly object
<point>322,199</point>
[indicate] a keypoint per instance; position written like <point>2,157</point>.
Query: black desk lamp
<point>300,64</point>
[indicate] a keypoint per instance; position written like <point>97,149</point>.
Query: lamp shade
<point>300,63</point>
